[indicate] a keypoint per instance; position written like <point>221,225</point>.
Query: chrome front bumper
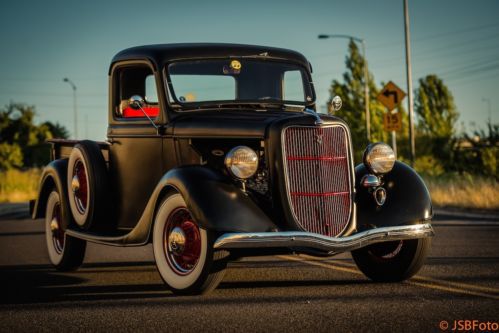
<point>331,245</point>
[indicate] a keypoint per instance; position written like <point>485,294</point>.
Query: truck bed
<point>61,148</point>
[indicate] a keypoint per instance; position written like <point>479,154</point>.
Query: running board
<point>331,245</point>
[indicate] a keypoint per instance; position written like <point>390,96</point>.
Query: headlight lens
<point>242,162</point>
<point>379,158</point>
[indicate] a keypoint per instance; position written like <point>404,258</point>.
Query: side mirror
<point>336,103</point>
<point>136,102</point>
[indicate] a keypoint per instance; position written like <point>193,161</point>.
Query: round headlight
<point>379,158</point>
<point>242,162</point>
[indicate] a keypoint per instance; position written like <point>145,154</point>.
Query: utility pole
<point>410,99</point>
<point>75,111</point>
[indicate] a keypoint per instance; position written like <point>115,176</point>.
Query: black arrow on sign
<point>393,93</point>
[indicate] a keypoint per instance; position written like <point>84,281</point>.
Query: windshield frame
<point>177,105</point>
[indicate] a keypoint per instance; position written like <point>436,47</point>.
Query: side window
<point>292,86</point>
<point>135,80</point>
<point>151,91</point>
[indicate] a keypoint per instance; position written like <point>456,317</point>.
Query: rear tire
<point>392,261</point>
<point>184,252</point>
<point>66,253</point>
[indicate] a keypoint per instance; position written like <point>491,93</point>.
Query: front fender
<point>54,175</point>
<point>407,201</point>
<point>215,202</point>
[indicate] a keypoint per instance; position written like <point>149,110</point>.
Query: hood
<point>227,124</point>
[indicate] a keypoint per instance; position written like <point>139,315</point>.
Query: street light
<point>366,77</point>
<point>73,86</point>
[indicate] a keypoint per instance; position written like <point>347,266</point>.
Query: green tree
<point>351,91</point>
<point>23,142</point>
<point>10,156</point>
<point>58,131</point>
<point>437,115</point>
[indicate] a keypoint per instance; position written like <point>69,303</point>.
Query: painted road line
<point>442,285</point>
<point>421,278</point>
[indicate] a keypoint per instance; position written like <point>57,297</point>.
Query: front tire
<point>66,253</point>
<point>184,252</point>
<point>392,261</point>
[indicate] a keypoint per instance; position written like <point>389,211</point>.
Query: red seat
<point>151,111</point>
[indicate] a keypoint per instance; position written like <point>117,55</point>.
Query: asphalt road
<point>119,289</point>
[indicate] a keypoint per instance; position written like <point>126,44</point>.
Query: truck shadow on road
<point>34,284</point>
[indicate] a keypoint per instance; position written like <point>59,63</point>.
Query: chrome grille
<point>318,181</point>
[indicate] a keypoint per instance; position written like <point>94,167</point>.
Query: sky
<point>43,42</point>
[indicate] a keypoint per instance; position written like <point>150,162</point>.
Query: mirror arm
<point>145,114</point>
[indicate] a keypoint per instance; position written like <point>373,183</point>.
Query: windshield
<point>238,81</point>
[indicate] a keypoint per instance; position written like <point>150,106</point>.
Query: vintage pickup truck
<point>215,152</point>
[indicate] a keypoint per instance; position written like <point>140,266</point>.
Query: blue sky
<point>43,42</point>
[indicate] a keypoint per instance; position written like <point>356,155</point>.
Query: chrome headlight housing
<point>241,162</point>
<point>379,158</point>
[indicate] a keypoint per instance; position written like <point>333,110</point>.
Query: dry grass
<point>446,191</point>
<point>19,186</point>
<point>466,191</point>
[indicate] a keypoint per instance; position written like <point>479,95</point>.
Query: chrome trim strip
<point>329,244</point>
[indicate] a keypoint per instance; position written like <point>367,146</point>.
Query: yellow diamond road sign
<point>391,96</point>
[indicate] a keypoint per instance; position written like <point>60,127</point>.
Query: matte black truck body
<point>170,147</point>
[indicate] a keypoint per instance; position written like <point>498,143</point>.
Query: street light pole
<point>73,86</point>
<point>366,77</point>
<point>410,99</point>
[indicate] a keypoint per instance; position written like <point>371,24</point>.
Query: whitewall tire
<point>184,251</point>
<point>65,253</point>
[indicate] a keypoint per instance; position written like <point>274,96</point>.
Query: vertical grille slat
<point>318,177</point>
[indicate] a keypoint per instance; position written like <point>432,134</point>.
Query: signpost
<point>391,96</point>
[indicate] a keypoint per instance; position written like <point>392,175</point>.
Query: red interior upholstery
<point>151,111</point>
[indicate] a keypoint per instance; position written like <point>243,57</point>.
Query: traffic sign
<point>392,121</point>
<point>391,96</point>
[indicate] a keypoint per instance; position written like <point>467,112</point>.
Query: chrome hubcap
<point>57,231</point>
<point>182,242</point>
<point>75,184</point>
<point>176,241</point>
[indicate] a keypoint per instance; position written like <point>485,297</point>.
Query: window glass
<point>132,81</point>
<point>193,88</point>
<point>293,86</point>
<point>237,80</point>
<point>151,91</point>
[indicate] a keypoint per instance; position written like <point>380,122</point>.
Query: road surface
<point>119,289</point>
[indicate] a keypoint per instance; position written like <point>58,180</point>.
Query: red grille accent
<point>318,178</point>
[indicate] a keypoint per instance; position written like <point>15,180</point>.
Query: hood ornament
<point>318,139</point>
<point>336,103</point>
<point>318,120</point>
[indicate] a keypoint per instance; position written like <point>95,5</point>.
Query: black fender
<point>54,175</point>
<point>408,200</point>
<point>215,202</point>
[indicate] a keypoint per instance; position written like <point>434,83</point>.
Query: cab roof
<point>160,54</point>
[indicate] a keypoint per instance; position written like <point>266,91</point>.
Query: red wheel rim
<point>57,231</point>
<point>79,186</point>
<point>182,241</point>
